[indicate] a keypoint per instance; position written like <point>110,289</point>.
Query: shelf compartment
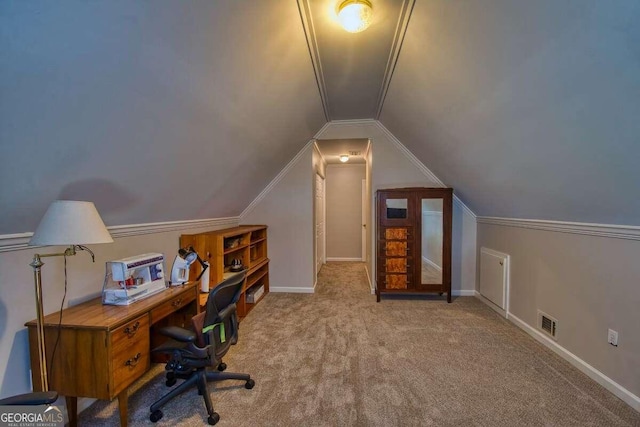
<point>247,243</point>
<point>258,235</point>
<point>262,281</point>
<point>255,277</point>
<point>235,248</point>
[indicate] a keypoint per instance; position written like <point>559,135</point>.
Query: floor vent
<point>547,324</point>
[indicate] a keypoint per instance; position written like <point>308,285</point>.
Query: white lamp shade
<point>68,222</point>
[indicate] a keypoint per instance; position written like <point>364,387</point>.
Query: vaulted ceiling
<point>186,110</point>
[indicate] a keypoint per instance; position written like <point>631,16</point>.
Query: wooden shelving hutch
<point>248,243</point>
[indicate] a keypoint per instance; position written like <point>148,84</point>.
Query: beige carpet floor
<point>338,358</point>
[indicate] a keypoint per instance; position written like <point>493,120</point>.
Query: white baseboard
<point>491,305</point>
<point>463,292</point>
<point>283,289</point>
<point>344,259</point>
<point>373,290</point>
<point>615,388</point>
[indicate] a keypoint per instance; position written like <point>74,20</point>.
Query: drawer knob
<point>133,361</point>
<point>131,330</point>
<point>177,302</point>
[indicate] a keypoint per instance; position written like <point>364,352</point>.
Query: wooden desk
<point>104,348</point>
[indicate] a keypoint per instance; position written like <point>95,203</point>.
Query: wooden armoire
<point>413,237</point>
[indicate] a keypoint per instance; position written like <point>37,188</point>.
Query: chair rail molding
<point>15,242</point>
<point>627,232</point>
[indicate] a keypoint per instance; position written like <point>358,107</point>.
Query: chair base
<point>199,378</point>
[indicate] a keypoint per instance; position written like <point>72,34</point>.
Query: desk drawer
<point>174,304</point>
<point>130,352</point>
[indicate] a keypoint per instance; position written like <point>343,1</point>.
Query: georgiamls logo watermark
<point>31,416</point>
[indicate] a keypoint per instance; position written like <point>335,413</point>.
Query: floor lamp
<point>66,222</point>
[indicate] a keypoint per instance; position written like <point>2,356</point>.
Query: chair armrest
<point>228,310</point>
<point>179,334</point>
<point>35,398</point>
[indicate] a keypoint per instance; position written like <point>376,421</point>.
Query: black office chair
<point>195,355</point>
<point>31,399</point>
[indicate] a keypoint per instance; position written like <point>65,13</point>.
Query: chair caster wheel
<point>222,366</point>
<point>213,419</point>
<point>170,382</point>
<point>155,416</point>
<point>249,384</point>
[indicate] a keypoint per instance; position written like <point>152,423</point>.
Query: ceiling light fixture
<point>355,15</point>
<point>344,158</point>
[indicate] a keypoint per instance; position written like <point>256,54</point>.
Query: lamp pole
<point>37,264</point>
<point>37,277</point>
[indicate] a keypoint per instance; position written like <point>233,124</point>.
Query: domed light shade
<point>355,15</point>
<point>344,158</point>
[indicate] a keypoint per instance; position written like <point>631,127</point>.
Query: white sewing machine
<point>131,279</point>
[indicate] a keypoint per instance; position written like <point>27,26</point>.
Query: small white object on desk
<point>204,280</point>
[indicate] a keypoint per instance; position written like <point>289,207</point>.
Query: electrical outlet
<point>612,337</point>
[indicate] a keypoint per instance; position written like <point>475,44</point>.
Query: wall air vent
<point>355,153</point>
<point>547,324</point>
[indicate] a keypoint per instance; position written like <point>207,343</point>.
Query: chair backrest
<point>222,332</point>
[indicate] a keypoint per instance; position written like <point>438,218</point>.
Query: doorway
<point>320,220</point>
<point>346,170</point>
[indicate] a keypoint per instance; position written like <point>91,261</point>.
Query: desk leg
<point>72,410</point>
<point>122,404</point>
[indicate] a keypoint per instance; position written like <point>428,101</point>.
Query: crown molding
<point>281,174</point>
<point>353,122</point>
<point>396,46</point>
<point>425,170</point>
<point>312,44</point>
<point>627,232</point>
<point>16,242</point>
<point>409,155</point>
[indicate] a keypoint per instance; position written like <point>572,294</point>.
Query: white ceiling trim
<point>425,170</point>
<point>314,53</point>
<point>409,155</point>
<point>275,180</point>
<point>396,47</point>
<point>627,232</point>
<point>280,175</point>
<point>16,242</point>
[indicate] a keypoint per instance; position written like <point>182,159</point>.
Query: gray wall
<point>286,206</point>
<point>139,106</point>
<point>344,211</point>
<point>588,283</point>
<point>529,109</point>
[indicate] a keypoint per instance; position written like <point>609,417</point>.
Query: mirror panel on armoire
<point>431,235</point>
